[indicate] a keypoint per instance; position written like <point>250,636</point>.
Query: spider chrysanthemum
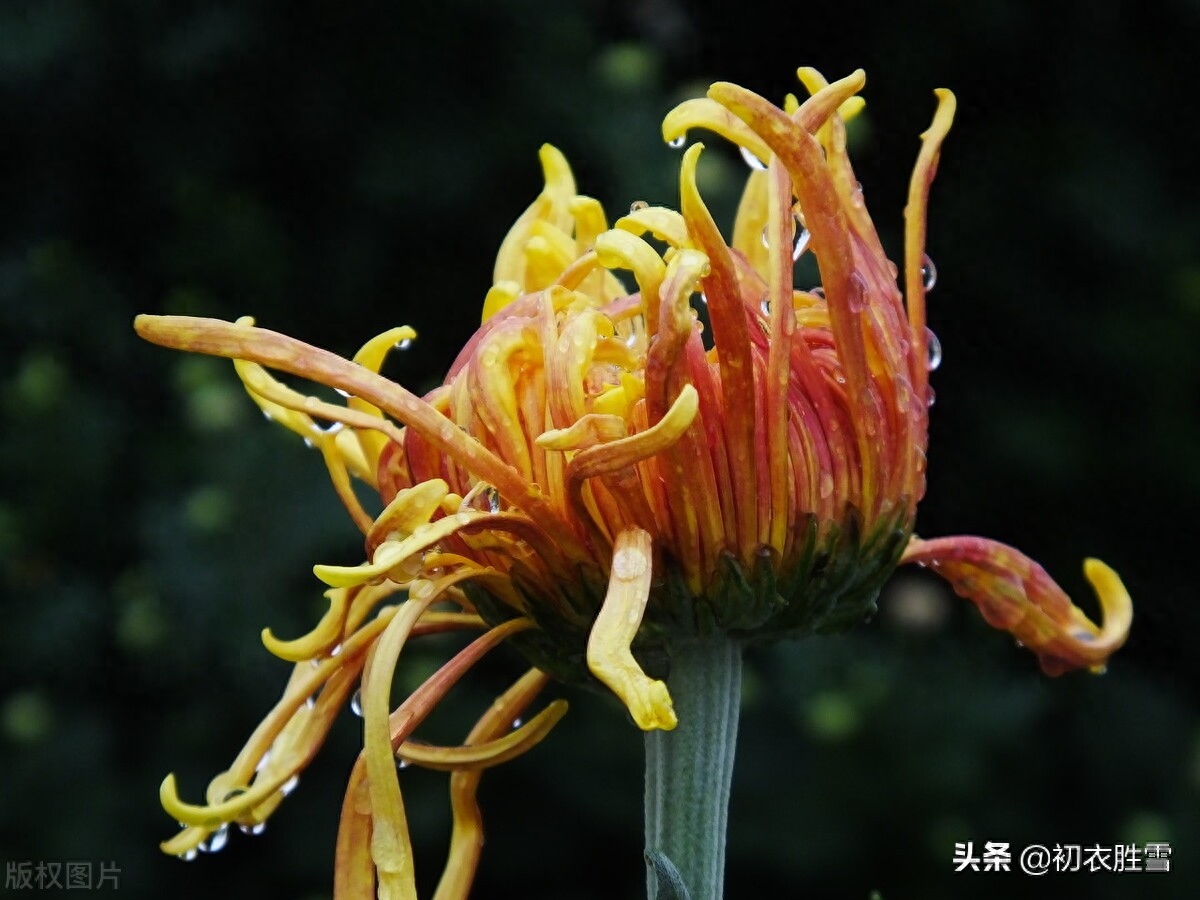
<point>600,476</point>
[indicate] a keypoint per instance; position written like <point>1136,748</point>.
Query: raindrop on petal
<point>216,841</point>
<point>765,305</point>
<point>826,484</point>
<point>517,723</point>
<point>289,785</point>
<point>356,704</point>
<point>404,344</point>
<point>268,416</point>
<point>638,205</point>
<point>342,393</point>
<point>801,244</point>
<point>931,397</point>
<point>928,273</point>
<point>493,500</point>
<point>934,348</point>
<point>189,855</point>
<point>858,293</point>
<point>255,829</point>
<point>753,161</point>
<point>677,143</point>
<point>402,763</point>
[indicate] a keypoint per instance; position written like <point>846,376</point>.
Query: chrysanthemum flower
<point>607,484</point>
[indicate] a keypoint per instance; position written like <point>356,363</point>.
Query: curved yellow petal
<point>616,625</point>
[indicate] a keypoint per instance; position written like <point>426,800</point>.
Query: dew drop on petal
<point>931,397</point>
<point>765,305</point>
<point>826,484</point>
<point>268,416</point>
<point>801,244</point>
<point>402,763</point>
<point>637,205</point>
<point>858,293</point>
<point>928,273</point>
<point>308,443</point>
<point>342,393</point>
<point>517,723</point>
<point>766,238</point>
<point>256,829</point>
<point>493,500</point>
<point>404,344</point>
<point>216,841</point>
<point>753,161</point>
<point>934,348</point>
<point>290,785</point>
<point>356,704</point>
<point>676,143</point>
<point>189,855</point>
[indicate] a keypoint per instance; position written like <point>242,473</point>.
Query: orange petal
<point>1015,594</point>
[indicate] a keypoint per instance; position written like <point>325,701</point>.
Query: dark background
<point>338,171</point>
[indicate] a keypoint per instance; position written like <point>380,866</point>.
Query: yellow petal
<point>616,625</point>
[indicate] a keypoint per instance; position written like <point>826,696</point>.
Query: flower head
<point>600,475</point>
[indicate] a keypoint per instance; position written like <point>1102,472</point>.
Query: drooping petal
<point>617,623</point>
<point>1015,594</point>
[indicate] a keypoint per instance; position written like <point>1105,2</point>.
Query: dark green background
<point>337,172</point>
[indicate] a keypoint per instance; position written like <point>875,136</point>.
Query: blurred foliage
<point>338,169</point>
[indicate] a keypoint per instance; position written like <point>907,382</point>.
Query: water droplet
<point>289,785</point>
<point>753,161</point>
<point>216,841</point>
<point>765,305</point>
<point>638,205</point>
<point>493,500</point>
<point>858,293</point>
<point>356,704</point>
<point>930,397</point>
<point>839,378</point>
<point>826,484</point>
<point>404,344</point>
<point>928,273</point>
<point>189,855</point>
<point>262,763</point>
<point>308,443</point>
<point>801,244</point>
<point>676,143</point>
<point>337,648</point>
<point>402,763</point>
<point>309,702</point>
<point>342,393</point>
<point>517,723</point>
<point>704,298</point>
<point>934,348</point>
<point>256,829</point>
<point>268,416</point>
<point>766,238</point>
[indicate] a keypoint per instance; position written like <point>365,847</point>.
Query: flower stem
<point>689,769</point>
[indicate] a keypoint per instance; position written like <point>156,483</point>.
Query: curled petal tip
<point>1016,594</point>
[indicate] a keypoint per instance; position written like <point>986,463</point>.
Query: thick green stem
<point>689,770</point>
